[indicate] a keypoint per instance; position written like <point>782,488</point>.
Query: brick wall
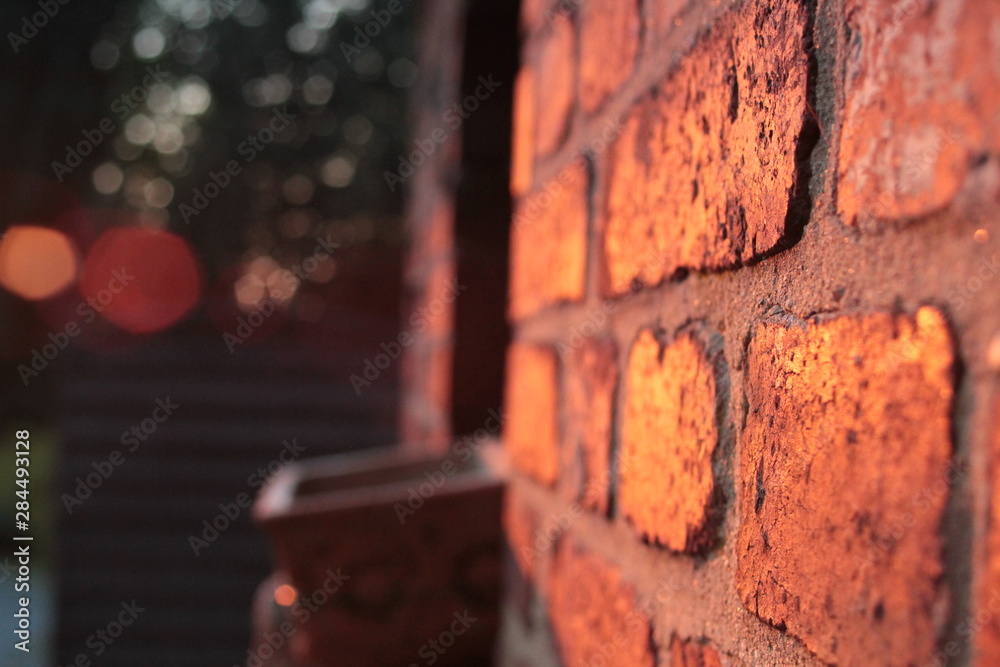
<point>752,404</point>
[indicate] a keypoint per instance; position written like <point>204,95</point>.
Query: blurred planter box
<point>395,559</point>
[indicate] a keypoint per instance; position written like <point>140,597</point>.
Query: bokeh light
<point>142,280</point>
<point>285,595</point>
<point>36,262</point>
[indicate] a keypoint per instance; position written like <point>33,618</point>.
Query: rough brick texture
<point>595,614</point>
<point>906,62</point>
<point>669,434</point>
<point>549,244</point>
<point>715,150</point>
<point>609,43</point>
<point>790,207</point>
<point>590,380</point>
<point>847,432</point>
<point>531,405</point>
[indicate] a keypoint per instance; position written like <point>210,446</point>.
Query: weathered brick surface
<point>987,631</point>
<point>549,244</point>
<point>609,43</point>
<point>530,433</point>
<point>705,174</point>
<point>556,83</point>
<point>669,434</point>
<point>595,614</point>
<point>922,86</point>
<point>847,431</point>
<point>590,380</point>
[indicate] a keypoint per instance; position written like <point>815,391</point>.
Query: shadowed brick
<point>591,376</point>
<point>531,407</point>
<point>609,42</point>
<point>987,632</point>
<point>930,68</point>
<point>549,244</point>
<point>669,434</point>
<point>520,522</point>
<point>594,613</point>
<point>844,454</point>
<point>705,175</point>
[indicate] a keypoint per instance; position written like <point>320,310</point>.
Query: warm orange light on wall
<point>36,262</point>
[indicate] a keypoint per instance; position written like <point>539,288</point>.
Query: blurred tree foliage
<point>224,69</point>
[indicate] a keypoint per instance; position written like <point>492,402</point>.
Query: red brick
<point>523,150</point>
<point>705,175</point>
<point>556,80</point>
<point>922,89</point>
<point>549,245</point>
<point>694,653</point>
<point>987,632</point>
<point>669,434</point>
<point>843,471</point>
<point>609,43</point>
<point>591,377</point>
<point>595,613</point>
<point>531,405</point>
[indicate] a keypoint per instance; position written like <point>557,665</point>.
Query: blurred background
<point>203,250</point>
